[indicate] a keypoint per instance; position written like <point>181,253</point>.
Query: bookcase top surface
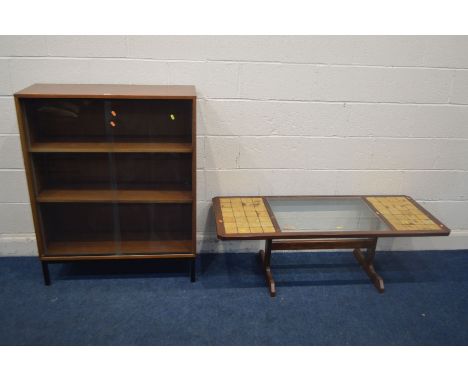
<point>107,91</point>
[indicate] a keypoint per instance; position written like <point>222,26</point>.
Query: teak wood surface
<point>108,91</point>
<point>278,234</point>
<point>115,147</point>
<point>44,192</point>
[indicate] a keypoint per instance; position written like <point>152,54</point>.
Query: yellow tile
<point>256,229</point>
<point>254,222</point>
<point>229,219</point>
<point>244,230</point>
<point>250,214</point>
<point>268,229</point>
<point>230,228</point>
<point>242,219</point>
<point>242,225</point>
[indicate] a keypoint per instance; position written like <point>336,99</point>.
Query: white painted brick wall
<point>14,187</point>
<point>344,83</point>
<point>460,86</point>
<point>11,46</point>
<point>5,77</point>
<point>8,123</point>
<point>86,46</point>
<point>10,152</point>
<point>212,79</point>
<point>276,115</point>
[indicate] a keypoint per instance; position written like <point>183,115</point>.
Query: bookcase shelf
<point>107,147</point>
<point>111,171</point>
<point>134,247</point>
<point>119,196</point>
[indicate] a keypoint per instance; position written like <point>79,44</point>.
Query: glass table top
<point>325,214</point>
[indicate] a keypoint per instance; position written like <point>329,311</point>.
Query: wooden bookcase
<point>111,171</point>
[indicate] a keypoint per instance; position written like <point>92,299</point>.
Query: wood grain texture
<point>222,234</point>
<point>72,248</point>
<point>71,199</point>
<point>121,196</point>
<point>105,147</point>
<point>107,91</point>
<point>295,245</point>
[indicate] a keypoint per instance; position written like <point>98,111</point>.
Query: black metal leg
<point>45,272</point>
<point>193,270</point>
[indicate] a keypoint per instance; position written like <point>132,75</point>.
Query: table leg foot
<point>268,275</point>
<point>368,267</point>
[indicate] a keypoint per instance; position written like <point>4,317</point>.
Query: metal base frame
<point>47,281</point>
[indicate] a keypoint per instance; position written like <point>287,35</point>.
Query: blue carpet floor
<point>322,299</point>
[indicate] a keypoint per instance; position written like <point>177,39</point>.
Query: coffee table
<point>323,222</point>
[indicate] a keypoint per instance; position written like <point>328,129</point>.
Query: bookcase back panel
<point>52,120</point>
<point>110,222</point>
<point>78,221</point>
<point>155,221</point>
<point>137,119</point>
<point>113,171</point>
<point>100,120</point>
<point>153,171</point>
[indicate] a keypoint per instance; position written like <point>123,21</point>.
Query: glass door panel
<point>152,190</point>
<point>66,120</point>
<point>152,120</point>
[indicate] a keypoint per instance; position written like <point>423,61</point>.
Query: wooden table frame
<point>314,240</point>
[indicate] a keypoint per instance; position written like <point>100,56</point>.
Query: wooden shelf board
<point>108,91</point>
<point>120,196</point>
<point>105,147</point>
<point>70,248</point>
